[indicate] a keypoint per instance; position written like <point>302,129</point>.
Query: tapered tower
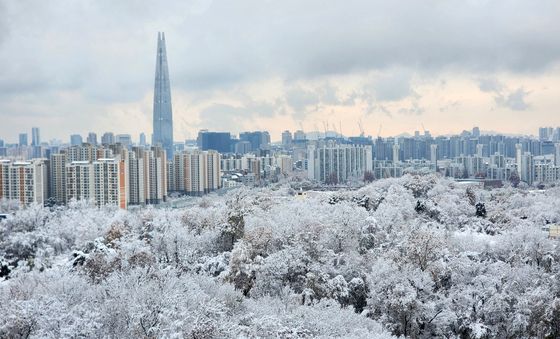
<point>163,115</point>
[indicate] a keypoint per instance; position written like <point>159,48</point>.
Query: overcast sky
<point>76,66</point>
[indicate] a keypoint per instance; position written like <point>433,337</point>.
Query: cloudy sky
<point>77,66</point>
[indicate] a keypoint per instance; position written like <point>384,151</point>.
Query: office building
<point>142,139</point>
<point>108,138</point>
<point>476,132</point>
<point>162,115</point>
<point>242,147</point>
<point>35,137</point>
<point>76,140</point>
<point>124,139</point>
<point>217,141</point>
<point>258,139</point>
<point>286,138</point>
<point>23,139</point>
<point>92,138</point>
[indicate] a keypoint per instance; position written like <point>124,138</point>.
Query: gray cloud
<point>503,96</point>
<point>515,100</point>
<point>490,85</point>
<point>105,50</point>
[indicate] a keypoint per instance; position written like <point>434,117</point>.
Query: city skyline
<point>275,139</point>
<point>264,67</point>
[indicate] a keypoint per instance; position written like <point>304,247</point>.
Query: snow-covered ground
<point>416,256</point>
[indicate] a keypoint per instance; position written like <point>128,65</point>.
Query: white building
<point>146,175</point>
<point>26,181</point>
<point>101,181</point>
<point>336,163</point>
<point>195,172</point>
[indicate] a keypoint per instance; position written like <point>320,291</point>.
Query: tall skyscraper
<point>163,116</point>
<point>76,140</point>
<point>35,137</point>
<point>108,138</point>
<point>92,138</point>
<point>286,138</point>
<point>23,139</point>
<point>142,138</point>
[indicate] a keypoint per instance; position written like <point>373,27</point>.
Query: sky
<point>395,66</point>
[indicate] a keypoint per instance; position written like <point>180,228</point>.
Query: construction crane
<point>379,130</point>
<point>361,127</point>
<point>325,127</point>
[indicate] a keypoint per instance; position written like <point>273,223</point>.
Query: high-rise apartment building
<point>102,181</point>
<point>336,163</point>
<point>57,178</point>
<point>25,182</point>
<point>147,175</point>
<point>195,172</point>
<point>524,164</point>
<point>163,115</point>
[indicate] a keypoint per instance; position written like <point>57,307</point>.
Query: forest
<point>418,256</point>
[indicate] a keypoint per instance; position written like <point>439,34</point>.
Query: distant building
<point>108,138</point>
<point>92,138</point>
<point>242,147</point>
<point>546,133</point>
<point>217,141</point>
<point>476,132</point>
<point>142,139</point>
<point>124,139</point>
<point>557,154</point>
<point>258,139</point>
<point>75,140</point>
<point>23,139</point>
<point>299,136</point>
<point>286,138</point>
<point>524,164</point>
<point>35,137</point>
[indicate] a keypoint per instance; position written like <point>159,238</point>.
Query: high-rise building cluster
<point>115,170</point>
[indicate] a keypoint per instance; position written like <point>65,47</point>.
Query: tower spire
<point>163,115</point>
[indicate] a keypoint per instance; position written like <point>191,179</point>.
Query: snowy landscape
<point>418,256</point>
